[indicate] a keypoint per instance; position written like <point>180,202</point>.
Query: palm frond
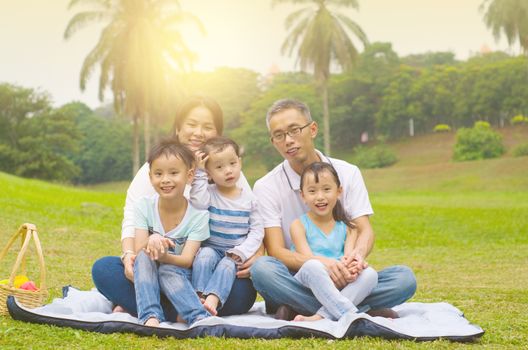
<point>344,3</point>
<point>81,19</point>
<point>354,28</point>
<point>104,4</point>
<point>293,37</point>
<point>172,21</point>
<point>294,16</point>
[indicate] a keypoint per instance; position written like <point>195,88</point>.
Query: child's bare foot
<point>315,317</point>
<point>152,322</point>
<point>118,308</point>
<point>180,319</point>
<point>211,303</point>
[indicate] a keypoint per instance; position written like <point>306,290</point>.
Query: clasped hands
<point>345,270</point>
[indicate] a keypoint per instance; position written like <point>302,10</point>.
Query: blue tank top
<point>331,245</point>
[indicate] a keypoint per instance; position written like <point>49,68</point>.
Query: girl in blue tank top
<point>325,232</point>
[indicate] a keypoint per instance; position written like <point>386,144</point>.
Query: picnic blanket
<point>91,311</point>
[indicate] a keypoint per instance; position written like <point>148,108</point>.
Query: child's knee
<point>313,265</point>
<point>369,276</point>
<point>205,254</point>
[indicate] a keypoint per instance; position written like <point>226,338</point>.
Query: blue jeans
<point>273,280</point>
<point>313,274</point>
<point>151,277</point>
<point>108,274</point>
<point>213,273</point>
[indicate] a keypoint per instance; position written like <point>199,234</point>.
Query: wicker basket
<point>27,298</point>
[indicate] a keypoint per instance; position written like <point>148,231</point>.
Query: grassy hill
<point>462,227</point>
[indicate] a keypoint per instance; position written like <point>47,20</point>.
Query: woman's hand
<point>243,269</point>
<point>157,246</point>
<point>128,263</point>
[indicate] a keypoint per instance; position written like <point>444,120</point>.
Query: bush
<point>520,150</point>
<point>481,124</point>
<point>442,128</point>
<point>373,157</point>
<point>480,142</point>
<point>518,120</point>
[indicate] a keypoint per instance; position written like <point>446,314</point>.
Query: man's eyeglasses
<point>280,136</point>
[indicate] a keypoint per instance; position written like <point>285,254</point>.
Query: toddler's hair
<point>218,144</point>
<point>171,146</point>
<point>317,168</point>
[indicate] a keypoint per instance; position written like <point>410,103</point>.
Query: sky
<point>240,33</point>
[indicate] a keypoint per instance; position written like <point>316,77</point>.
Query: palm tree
<point>139,47</point>
<point>322,37</point>
<point>510,17</point>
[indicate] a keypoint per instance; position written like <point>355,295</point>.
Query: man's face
<point>293,148</point>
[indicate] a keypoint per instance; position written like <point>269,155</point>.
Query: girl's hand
<point>201,159</point>
<point>128,262</point>
<point>337,271</point>
<point>236,258</point>
<point>156,245</point>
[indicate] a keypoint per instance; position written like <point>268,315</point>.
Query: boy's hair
<point>284,104</point>
<point>171,146</point>
<point>218,144</point>
<point>317,168</point>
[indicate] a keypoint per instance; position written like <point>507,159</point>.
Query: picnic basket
<point>27,298</point>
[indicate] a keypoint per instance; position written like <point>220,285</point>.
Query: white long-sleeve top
<point>141,187</point>
<point>234,223</point>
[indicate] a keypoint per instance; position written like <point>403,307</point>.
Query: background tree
<point>138,48</point>
<point>321,35</point>
<point>509,17</point>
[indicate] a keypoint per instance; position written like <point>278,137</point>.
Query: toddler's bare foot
<point>315,317</point>
<point>180,319</point>
<point>152,322</point>
<point>211,303</point>
<point>118,308</point>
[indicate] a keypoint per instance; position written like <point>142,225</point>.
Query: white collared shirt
<point>279,195</point>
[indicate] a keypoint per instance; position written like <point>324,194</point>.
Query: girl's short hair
<point>316,169</point>
<point>199,101</point>
<point>171,146</point>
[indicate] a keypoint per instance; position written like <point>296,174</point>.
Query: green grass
<point>462,227</point>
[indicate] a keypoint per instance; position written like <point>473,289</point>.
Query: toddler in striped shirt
<point>235,225</point>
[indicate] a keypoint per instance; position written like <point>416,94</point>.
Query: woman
<point>197,120</point>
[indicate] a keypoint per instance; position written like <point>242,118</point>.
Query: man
<point>292,133</point>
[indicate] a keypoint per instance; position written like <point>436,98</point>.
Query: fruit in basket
<point>29,285</point>
<point>20,280</point>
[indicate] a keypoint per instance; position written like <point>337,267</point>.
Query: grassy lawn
<point>462,227</point>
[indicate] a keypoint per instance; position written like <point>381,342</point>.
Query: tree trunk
<point>326,119</point>
<point>146,133</point>
<point>135,145</point>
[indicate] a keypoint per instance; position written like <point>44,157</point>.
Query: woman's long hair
<point>317,168</point>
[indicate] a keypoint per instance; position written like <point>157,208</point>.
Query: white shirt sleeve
<point>200,197</point>
<point>254,238</point>
<point>269,207</point>
<point>355,197</point>
<point>139,187</point>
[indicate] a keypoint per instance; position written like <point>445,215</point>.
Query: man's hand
<point>128,263</point>
<point>337,271</point>
<point>243,269</point>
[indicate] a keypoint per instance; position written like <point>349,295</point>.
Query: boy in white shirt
<point>235,224</point>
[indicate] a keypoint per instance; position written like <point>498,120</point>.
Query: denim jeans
<point>151,277</point>
<point>213,273</point>
<point>313,274</point>
<point>273,280</point>
<point>110,280</point>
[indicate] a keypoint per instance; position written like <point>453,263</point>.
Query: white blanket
<point>92,311</point>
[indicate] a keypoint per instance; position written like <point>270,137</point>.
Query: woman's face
<point>197,127</point>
